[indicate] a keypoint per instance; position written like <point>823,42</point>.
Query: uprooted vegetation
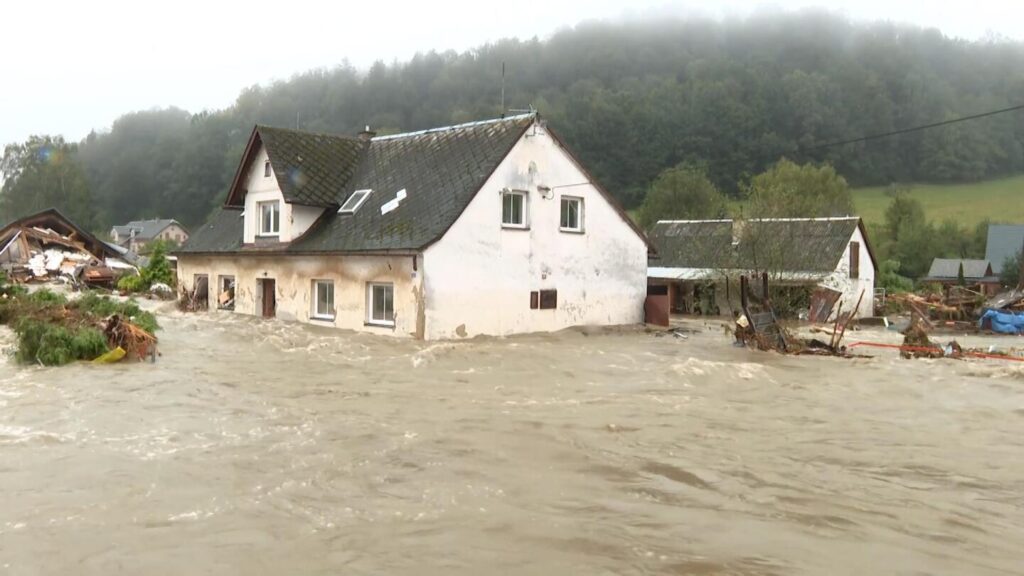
<point>155,275</point>
<point>53,331</point>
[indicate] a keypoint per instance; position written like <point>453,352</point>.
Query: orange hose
<point>933,349</point>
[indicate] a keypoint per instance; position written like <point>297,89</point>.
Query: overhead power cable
<point>913,129</point>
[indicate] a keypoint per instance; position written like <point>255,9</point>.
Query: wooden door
<point>269,299</point>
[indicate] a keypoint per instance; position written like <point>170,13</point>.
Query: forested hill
<point>631,98</point>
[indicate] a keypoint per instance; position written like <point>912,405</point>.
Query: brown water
<point>267,448</point>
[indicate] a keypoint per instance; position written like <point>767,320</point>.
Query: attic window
<point>354,201</point>
<point>266,169</point>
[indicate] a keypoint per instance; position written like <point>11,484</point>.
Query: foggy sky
<point>72,66</point>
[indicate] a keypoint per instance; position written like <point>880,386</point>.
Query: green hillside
<point>968,204</point>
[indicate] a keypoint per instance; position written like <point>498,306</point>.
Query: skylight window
<point>354,201</point>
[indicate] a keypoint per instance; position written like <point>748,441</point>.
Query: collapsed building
<point>48,246</point>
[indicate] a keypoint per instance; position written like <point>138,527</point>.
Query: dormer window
<point>270,218</point>
<point>354,202</point>
<point>266,169</point>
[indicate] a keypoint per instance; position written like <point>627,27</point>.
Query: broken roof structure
<point>696,249</point>
<point>48,244</point>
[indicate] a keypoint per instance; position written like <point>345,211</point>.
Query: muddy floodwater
<point>256,447</point>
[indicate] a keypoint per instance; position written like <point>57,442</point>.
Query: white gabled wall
<point>851,287</point>
<point>295,218</point>
<point>479,275</point>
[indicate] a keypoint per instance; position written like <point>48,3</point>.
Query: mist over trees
<point>632,99</point>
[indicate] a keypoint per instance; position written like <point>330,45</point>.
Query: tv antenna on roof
<point>502,89</point>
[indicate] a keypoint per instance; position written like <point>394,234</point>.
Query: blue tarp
<point>1003,322</point>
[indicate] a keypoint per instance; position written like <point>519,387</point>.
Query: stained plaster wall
<point>479,275</point>
<point>294,277</point>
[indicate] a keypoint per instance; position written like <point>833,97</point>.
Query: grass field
<point>1001,201</point>
<point>968,204</point>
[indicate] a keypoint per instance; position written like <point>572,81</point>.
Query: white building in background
<point>700,260</point>
<point>490,227</point>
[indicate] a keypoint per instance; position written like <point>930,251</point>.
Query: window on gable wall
<point>513,208</point>
<point>572,214</point>
<point>323,299</point>
<point>266,169</point>
<point>380,304</point>
<point>270,218</point>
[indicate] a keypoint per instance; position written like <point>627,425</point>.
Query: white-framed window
<point>266,169</point>
<point>270,218</point>
<point>380,304</point>
<point>571,219</point>
<point>323,299</point>
<point>514,206</point>
<point>354,202</point>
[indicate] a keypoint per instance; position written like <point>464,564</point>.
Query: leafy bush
<point>44,296</point>
<point>1010,276</point>
<point>104,306</point>
<point>54,345</point>
<point>159,268</point>
<point>890,279</point>
<point>131,284</point>
<point>10,290</point>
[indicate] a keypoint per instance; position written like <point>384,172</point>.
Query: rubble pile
<point>37,254</point>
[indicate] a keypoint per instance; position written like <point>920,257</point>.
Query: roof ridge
<point>308,132</point>
<point>455,126</point>
<point>401,134</point>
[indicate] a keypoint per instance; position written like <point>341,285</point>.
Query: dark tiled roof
<point>1004,241</point>
<point>441,171</point>
<point>793,245</point>
<point>950,268</point>
<point>222,233</point>
<point>311,169</point>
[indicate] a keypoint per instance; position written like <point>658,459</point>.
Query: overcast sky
<point>74,65</point>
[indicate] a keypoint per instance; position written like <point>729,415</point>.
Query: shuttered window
<point>548,299</point>
<point>854,259</point>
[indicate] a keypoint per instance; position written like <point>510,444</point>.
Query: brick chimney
<point>367,134</point>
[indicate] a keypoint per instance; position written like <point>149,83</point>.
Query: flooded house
<point>491,227</point>
<point>698,262</point>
